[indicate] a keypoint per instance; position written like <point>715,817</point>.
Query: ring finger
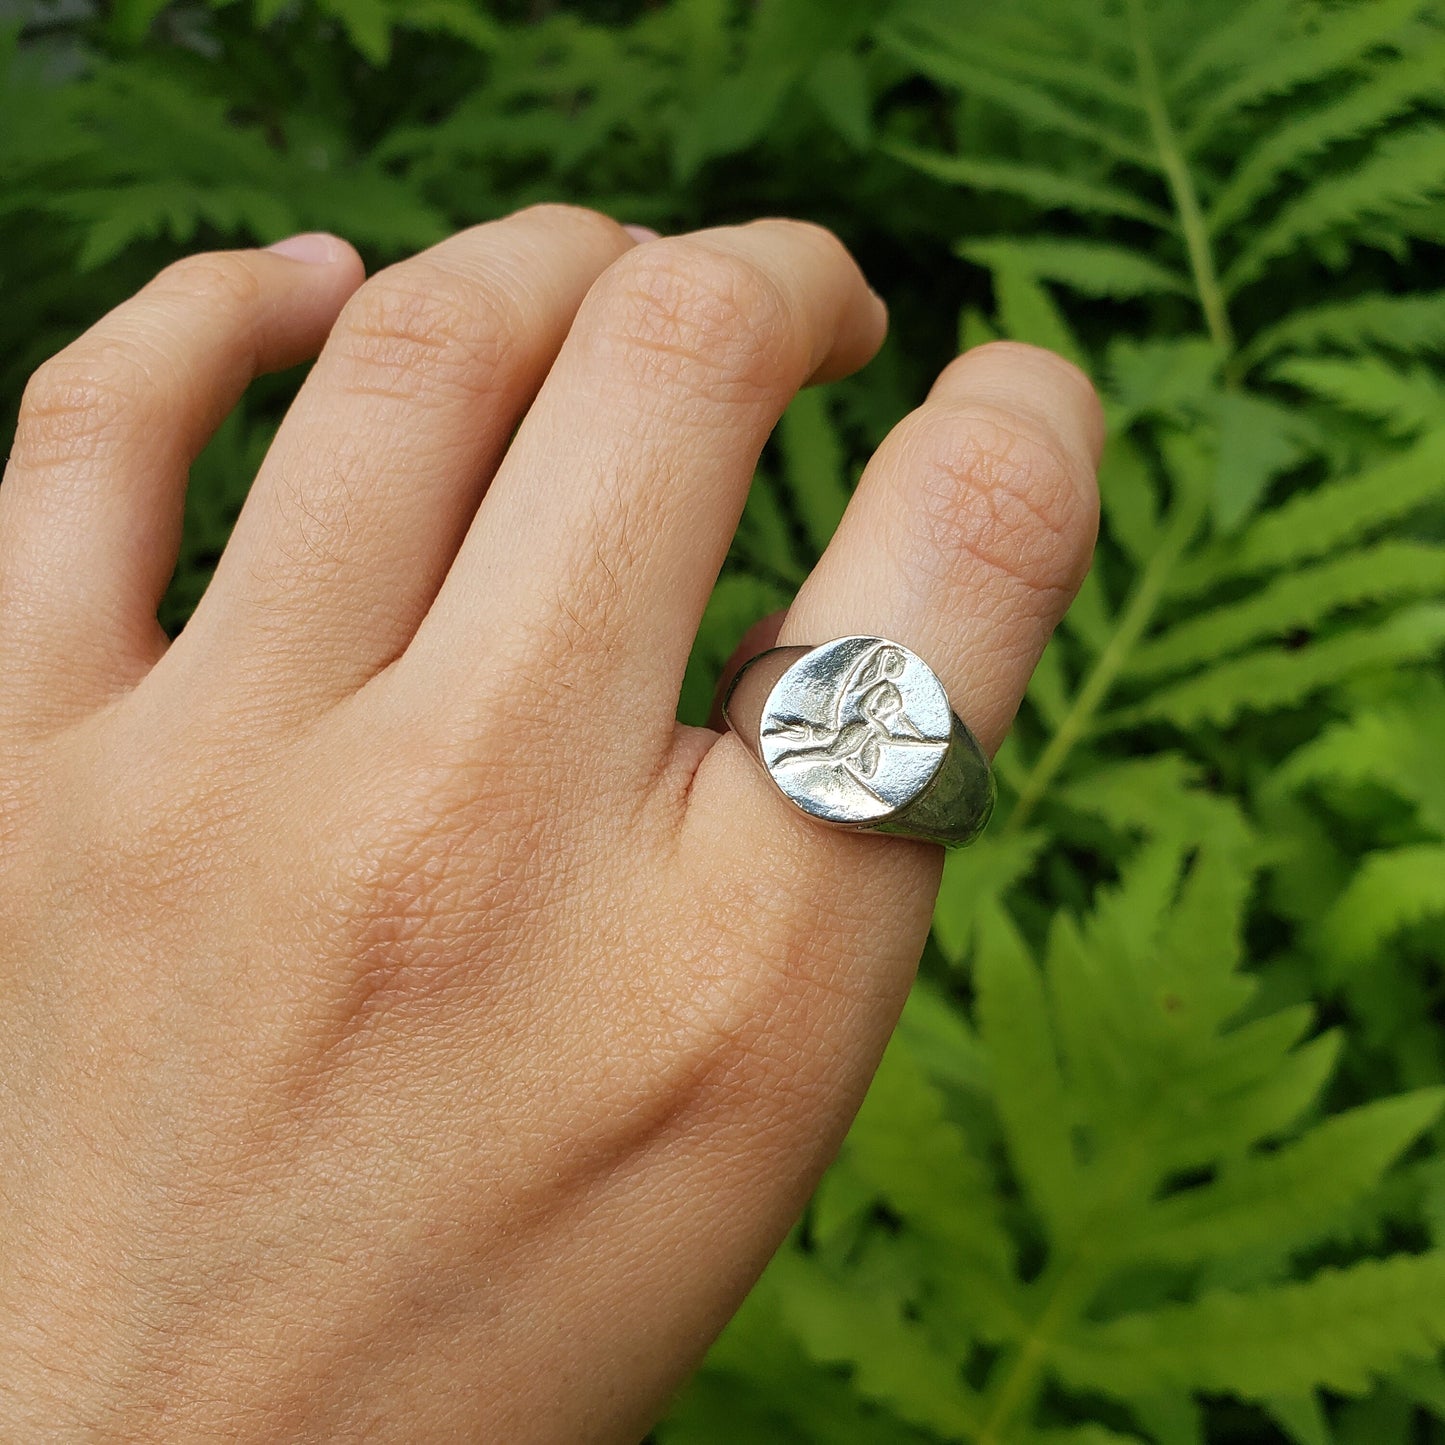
<point>969,533</point>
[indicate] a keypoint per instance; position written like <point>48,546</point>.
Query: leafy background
<point>1156,1155</point>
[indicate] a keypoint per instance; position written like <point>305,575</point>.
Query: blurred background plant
<point>1156,1155</point>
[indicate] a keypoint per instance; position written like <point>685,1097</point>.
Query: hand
<point>409,1031</point>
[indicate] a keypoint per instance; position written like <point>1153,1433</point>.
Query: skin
<point>409,1030</point>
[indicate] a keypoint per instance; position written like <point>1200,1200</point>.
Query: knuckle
<point>221,282</point>
<point>76,404</point>
<point>559,215</point>
<point>419,330</point>
<point>681,312</point>
<point>985,486</point>
<point>419,882</point>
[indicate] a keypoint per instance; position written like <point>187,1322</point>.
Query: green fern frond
<point>116,219</point>
<point>1385,93</point>
<point>1335,513</point>
<point>892,1360</point>
<point>1352,32</point>
<point>1029,313</point>
<point>1044,55</point>
<point>815,465</point>
<point>1159,795</point>
<point>1393,889</point>
<point>1090,267</point>
<point>1403,170</point>
<point>1276,678</point>
<point>1171,376</point>
<point>1216,52</point>
<point>1395,746</point>
<point>978,880</point>
<point>1047,189</point>
<point>925,1168</point>
<point>1340,1330</point>
<point>1032,1101</point>
<point>1301,1417</point>
<point>1408,400</point>
<point>1032,104</point>
<point>1290,1197</point>
<point>1390,570</point>
<point>1409,324</point>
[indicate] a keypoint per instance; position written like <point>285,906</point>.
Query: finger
<point>610,516</point>
<point>90,511</point>
<point>966,539</point>
<point>378,469</point>
<point>971,529</point>
<point>759,637</point>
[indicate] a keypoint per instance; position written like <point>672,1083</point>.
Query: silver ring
<point>858,733</point>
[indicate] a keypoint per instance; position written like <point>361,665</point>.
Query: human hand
<point>409,1030</point>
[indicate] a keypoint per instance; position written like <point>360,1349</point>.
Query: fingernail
<point>317,248</point>
<point>642,233</point>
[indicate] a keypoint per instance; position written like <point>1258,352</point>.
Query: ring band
<point>858,733</point>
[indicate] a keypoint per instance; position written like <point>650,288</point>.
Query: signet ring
<point>858,733</point>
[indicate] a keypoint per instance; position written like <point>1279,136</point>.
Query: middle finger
<point>609,518</point>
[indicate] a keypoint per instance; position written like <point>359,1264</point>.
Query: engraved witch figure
<point>878,720</point>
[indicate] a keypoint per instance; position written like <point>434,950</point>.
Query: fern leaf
<point>1402,171</point>
<point>926,1170</point>
<point>1276,678</point>
<point>941,1040</point>
<point>1043,54</point>
<point>1171,1419</point>
<point>1032,1101</point>
<point>1031,103</point>
<point>1128,496</point>
<point>893,1361</point>
<point>1386,93</point>
<point>1028,312</point>
<point>1412,323</point>
<point>976,881</point>
<point>1221,50</point>
<point>1258,440</point>
<point>1340,1330</point>
<point>1291,1197</point>
<point>1396,747</point>
<point>1046,188</point>
<point>1394,889</point>
<point>456,18</point>
<point>1352,31</point>
<point>1167,376</point>
<point>1301,1417</point>
<point>814,460</point>
<point>1408,400</point>
<point>1333,514</point>
<point>1248,1089</point>
<point>1159,795</point>
<point>1090,267</point>
<point>1386,571</point>
<point>759,1384</point>
<point>366,23</point>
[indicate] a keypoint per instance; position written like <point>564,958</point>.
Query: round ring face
<point>854,731</point>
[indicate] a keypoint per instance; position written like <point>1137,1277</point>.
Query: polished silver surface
<point>858,733</point>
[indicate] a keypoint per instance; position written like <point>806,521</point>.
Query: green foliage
<point>1155,1155</point>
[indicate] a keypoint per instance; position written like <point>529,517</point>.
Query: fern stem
<point>1181,185</point>
<point>1066,1290</point>
<point>1137,614</point>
